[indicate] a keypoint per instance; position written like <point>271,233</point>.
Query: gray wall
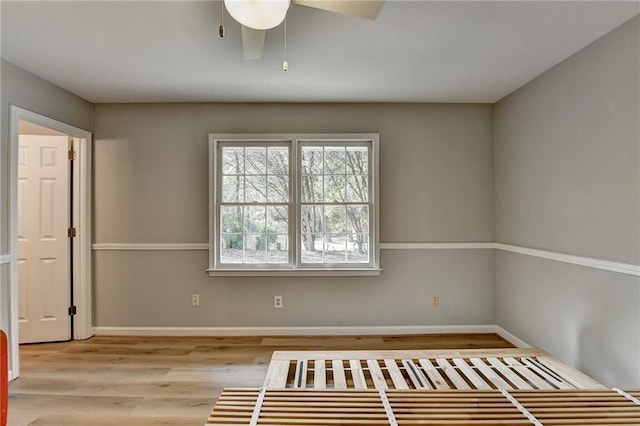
<point>567,179</point>
<point>150,186</point>
<point>566,164</point>
<point>23,89</point>
<point>28,91</point>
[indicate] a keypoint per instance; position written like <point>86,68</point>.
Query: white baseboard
<point>294,331</point>
<point>511,338</point>
<point>312,331</point>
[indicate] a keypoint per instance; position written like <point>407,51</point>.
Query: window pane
<point>358,219</point>
<point>255,248</point>
<point>358,248</point>
<point>312,160</point>
<point>334,161</point>
<point>311,188</point>
<point>335,219</point>
<point>311,233</point>
<point>357,188</point>
<point>278,249</point>
<point>231,219</point>
<point>357,161</point>
<point>257,223</point>
<point>255,161</point>
<point>278,161</point>
<point>335,248</point>
<point>231,248</point>
<point>232,189</point>
<point>254,219</point>
<point>278,189</point>
<point>312,248</point>
<point>255,189</point>
<point>334,188</point>
<point>233,161</point>
<point>311,220</point>
<point>278,219</point>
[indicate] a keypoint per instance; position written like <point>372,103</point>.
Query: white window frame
<point>294,267</point>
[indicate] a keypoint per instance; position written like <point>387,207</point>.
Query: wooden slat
<point>491,375</point>
<point>521,408</point>
<point>426,407</point>
<point>509,374</point>
<point>475,379</point>
<point>413,354</point>
<point>579,407</point>
<point>300,378</point>
<point>417,377</point>
<point>504,372</point>
<point>396,375</point>
<point>550,377</point>
<point>391,417</point>
<point>339,379</point>
<point>524,371</point>
<point>451,373</point>
<point>255,415</point>
<point>319,374</point>
<point>433,374</point>
<point>573,376</point>
<point>277,374</point>
<point>379,381</point>
<point>630,396</point>
<point>359,382</point>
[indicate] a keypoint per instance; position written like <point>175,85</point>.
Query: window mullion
<point>294,201</point>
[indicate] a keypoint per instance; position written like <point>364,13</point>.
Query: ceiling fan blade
<point>252,42</point>
<point>368,9</point>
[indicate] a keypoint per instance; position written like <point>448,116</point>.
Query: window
<point>293,204</point>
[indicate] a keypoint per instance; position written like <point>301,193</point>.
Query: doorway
<point>52,247</point>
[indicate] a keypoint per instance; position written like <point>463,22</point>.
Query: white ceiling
<point>417,51</point>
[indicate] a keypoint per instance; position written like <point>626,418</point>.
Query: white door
<point>43,242</point>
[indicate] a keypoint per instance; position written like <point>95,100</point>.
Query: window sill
<point>374,272</point>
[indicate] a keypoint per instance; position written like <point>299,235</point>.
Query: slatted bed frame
<point>465,387</point>
<point>313,407</point>
<point>425,369</point>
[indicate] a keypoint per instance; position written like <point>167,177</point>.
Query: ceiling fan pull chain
<point>285,64</point>
<point>221,27</point>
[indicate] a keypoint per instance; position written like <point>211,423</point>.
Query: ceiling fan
<point>258,16</point>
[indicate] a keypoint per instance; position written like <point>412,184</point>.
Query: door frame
<point>81,207</point>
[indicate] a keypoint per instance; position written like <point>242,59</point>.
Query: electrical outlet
<point>195,300</point>
<point>277,302</point>
<point>435,302</point>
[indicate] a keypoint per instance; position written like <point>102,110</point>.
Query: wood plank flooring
<point>144,381</point>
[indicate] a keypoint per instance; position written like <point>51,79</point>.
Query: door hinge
<point>72,154</point>
<point>73,310</point>
<point>71,232</point>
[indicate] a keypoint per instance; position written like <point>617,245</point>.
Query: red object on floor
<point>4,378</point>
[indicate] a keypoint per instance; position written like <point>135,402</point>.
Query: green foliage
<point>233,241</point>
<point>265,240</point>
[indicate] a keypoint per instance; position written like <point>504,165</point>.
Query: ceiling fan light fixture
<point>258,14</point>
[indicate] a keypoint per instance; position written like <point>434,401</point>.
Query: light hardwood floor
<point>141,381</point>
